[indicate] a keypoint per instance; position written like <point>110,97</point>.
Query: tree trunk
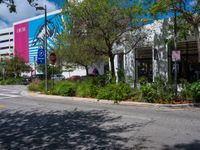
<point>196,31</point>
<point>112,66</point>
<point>87,71</point>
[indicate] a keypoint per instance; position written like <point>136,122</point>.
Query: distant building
<point>29,36</point>
<point>6,43</point>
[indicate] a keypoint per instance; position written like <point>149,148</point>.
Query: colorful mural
<point>21,41</point>
<point>32,38</point>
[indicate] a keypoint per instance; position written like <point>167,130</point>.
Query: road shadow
<point>195,145</point>
<point>62,130</point>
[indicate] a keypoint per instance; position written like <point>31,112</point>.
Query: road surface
<point>29,122</point>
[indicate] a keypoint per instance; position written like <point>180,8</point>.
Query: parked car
<point>38,76</point>
<point>58,77</point>
<point>26,80</point>
<point>74,78</point>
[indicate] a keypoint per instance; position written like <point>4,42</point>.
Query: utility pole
<point>45,44</point>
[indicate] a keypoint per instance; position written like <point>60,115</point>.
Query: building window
<point>2,48</point>
<point>4,41</point>
<point>4,34</point>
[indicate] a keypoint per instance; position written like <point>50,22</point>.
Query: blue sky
<point>24,11</point>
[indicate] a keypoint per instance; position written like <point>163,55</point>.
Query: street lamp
<point>45,42</point>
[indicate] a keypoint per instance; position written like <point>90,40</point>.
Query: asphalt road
<point>31,122</point>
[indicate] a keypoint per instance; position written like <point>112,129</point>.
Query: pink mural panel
<point>21,41</point>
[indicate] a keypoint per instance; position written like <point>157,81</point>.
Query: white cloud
<point>24,11</point>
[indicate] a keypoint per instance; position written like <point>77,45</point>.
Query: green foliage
<point>115,91</point>
<point>95,26</point>
<point>64,88</point>
<point>160,91</point>
<point>10,81</point>
<point>137,95</point>
<point>37,85</point>
<point>191,90</point>
<point>89,87</point>
<point>195,89</point>
<point>50,69</point>
<point>15,66</point>
<point>186,92</point>
<point>12,7</point>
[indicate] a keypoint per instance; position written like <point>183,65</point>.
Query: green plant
<point>186,89</point>
<point>88,88</point>
<point>195,90</point>
<point>64,88</point>
<point>37,85</point>
<point>160,91</point>
<point>142,80</point>
<point>137,95</point>
<point>115,91</point>
<point>11,81</point>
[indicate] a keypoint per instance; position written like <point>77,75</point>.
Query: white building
<point>153,57</point>
<point>6,43</point>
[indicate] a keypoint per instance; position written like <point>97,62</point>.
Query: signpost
<point>176,56</point>
<point>41,56</point>
<point>52,58</point>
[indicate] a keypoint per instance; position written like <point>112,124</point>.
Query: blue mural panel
<point>37,34</point>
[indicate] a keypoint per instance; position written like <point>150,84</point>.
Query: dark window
<point>4,41</point>
<point>4,34</point>
<point>1,48</point>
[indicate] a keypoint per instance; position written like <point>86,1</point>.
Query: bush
<point>160,91</point>
<point>88,88</point>
<point>64,88</point>
<point>11,81</point>
<point>115,91</point>
<point>37,85</point>
<point>195,90</point>
<point>186,92</point>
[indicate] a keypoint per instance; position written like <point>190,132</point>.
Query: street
<point>29,122</point>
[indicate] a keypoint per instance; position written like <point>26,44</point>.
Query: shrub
<point>37,85</point>
<point>88,88</point>
<point>160,91</point>
<point>195,90</point>
<point>11,81</point>
<point>137,95</point>
<point>185,90</point>
<point>115,91</point>
<point>64,88</point>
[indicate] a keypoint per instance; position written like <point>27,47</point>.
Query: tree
<point>16,66</point>
<point>96,26</point>
<point>76,53</point>
<point>188,9</point>
<point>11,4</point>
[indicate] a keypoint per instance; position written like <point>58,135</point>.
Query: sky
<point>24,11</point>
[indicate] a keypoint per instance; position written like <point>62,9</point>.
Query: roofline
<point>37,17</point>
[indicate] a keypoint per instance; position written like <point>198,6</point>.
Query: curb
<point>103,101</point>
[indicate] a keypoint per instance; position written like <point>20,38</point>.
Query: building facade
<point>153,58</point>
<point>6,43</point>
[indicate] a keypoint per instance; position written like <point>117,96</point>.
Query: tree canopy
<point>11,4</point>
<point>189,10</point>
<point>95,26</point>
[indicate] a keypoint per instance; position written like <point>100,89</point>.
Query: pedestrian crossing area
<point>8,93</point>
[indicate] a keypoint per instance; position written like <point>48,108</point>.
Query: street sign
<point>53,58</point>
<point>41,56</point>
<point>176,55</point>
